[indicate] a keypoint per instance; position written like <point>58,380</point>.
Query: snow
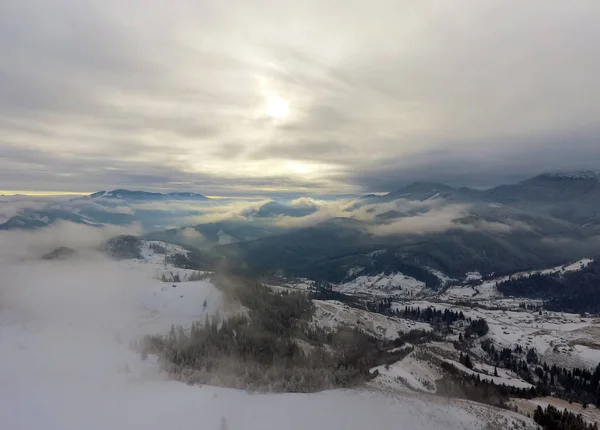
<point>397,372</point>
<point>332,315</point>
<point>156,262</point>
<point>472,276</point>
<point>69,376</point>
<point>590,413</point>
<point>151,256</point>
<point>382,285</point>
<point>444,279</point>
<point>587,354</point>
<point>578,265</point>
<point>411,372</point>
<point>118,298</point>
<point>302,284</point>
<point>584,174</point>
<point>486,293</point>
<point>65,327</point>
<point>498,380</point>
<point>559,337</point>
<point>503,374</point>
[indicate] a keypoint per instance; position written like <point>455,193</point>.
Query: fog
<point>65,328</point>
<point>31,244</point>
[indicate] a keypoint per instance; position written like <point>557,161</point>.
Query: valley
<point>299,215</point>
<point>83,357</point>
<point>475,306</point>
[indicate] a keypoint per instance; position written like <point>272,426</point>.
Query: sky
<point>267,97</point>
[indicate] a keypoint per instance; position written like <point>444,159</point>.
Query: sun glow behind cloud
<point>277,107</point>
<point>366,98</point>
<point>299,168</point>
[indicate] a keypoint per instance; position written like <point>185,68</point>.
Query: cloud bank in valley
<point>380,218</point>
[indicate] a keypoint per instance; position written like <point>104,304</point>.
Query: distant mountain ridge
<point>582,174</point>
<point>542,186</point>
<point>136,195</point>
<point>549,200</point>
<point>543,220</point>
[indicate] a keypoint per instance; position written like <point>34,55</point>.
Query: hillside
<point>82,359</point>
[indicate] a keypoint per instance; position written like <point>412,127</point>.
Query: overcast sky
<point>171,95</point>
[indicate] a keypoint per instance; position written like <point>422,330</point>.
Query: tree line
<point>551,418</point>
<point>576,291</point>
<point>580,385</point>
<point>472,387</point>
<point>275,347</point>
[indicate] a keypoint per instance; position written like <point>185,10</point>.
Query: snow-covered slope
<point>333,314</point>
<point>382,285</point>
<point>578,265</point>
<point>154,262</point>
<point>565,339</point>
<point>106,295</point>
<point>504,377</point>
<point>409,372</point>
<point>487,289</point>
<point>64,332</point>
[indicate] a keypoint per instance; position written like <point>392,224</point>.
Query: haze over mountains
<point>280,214</point>
<point>537,222</point>
<point>146,196</point>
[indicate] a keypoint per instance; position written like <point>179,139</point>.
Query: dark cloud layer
<point>143,94</point>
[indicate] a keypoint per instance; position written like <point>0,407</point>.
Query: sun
<point>300,168</point>
<point>277,107</point>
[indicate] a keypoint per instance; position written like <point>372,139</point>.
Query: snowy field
<point>58,375</point>
<point>155,264</point>
<point>591,414</point>
<point>382,285</point>
<point>409,372</point>
<point>65,328</point>
<point>559,337</point>
<point>331,315</point>
<point>504,377</point>
<point>487,293</point>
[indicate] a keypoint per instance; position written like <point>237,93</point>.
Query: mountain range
<point>537,222</point>
<point>130,195</point>
<point>545,220</point>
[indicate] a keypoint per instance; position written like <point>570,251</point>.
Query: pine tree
<point>538,415</point>
<point>172,335</point>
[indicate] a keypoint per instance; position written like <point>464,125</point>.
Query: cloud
<point>434,221</point>
<point>306,202</point>
<point>19,244</point>
<point>11,208</point>
<point>87,203</point>
<point>193,213</point>
<point>191,234</point>
<point>110,94</point>
<point>325,210</point>
<point>443,218</point>
<point>352,208</point>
